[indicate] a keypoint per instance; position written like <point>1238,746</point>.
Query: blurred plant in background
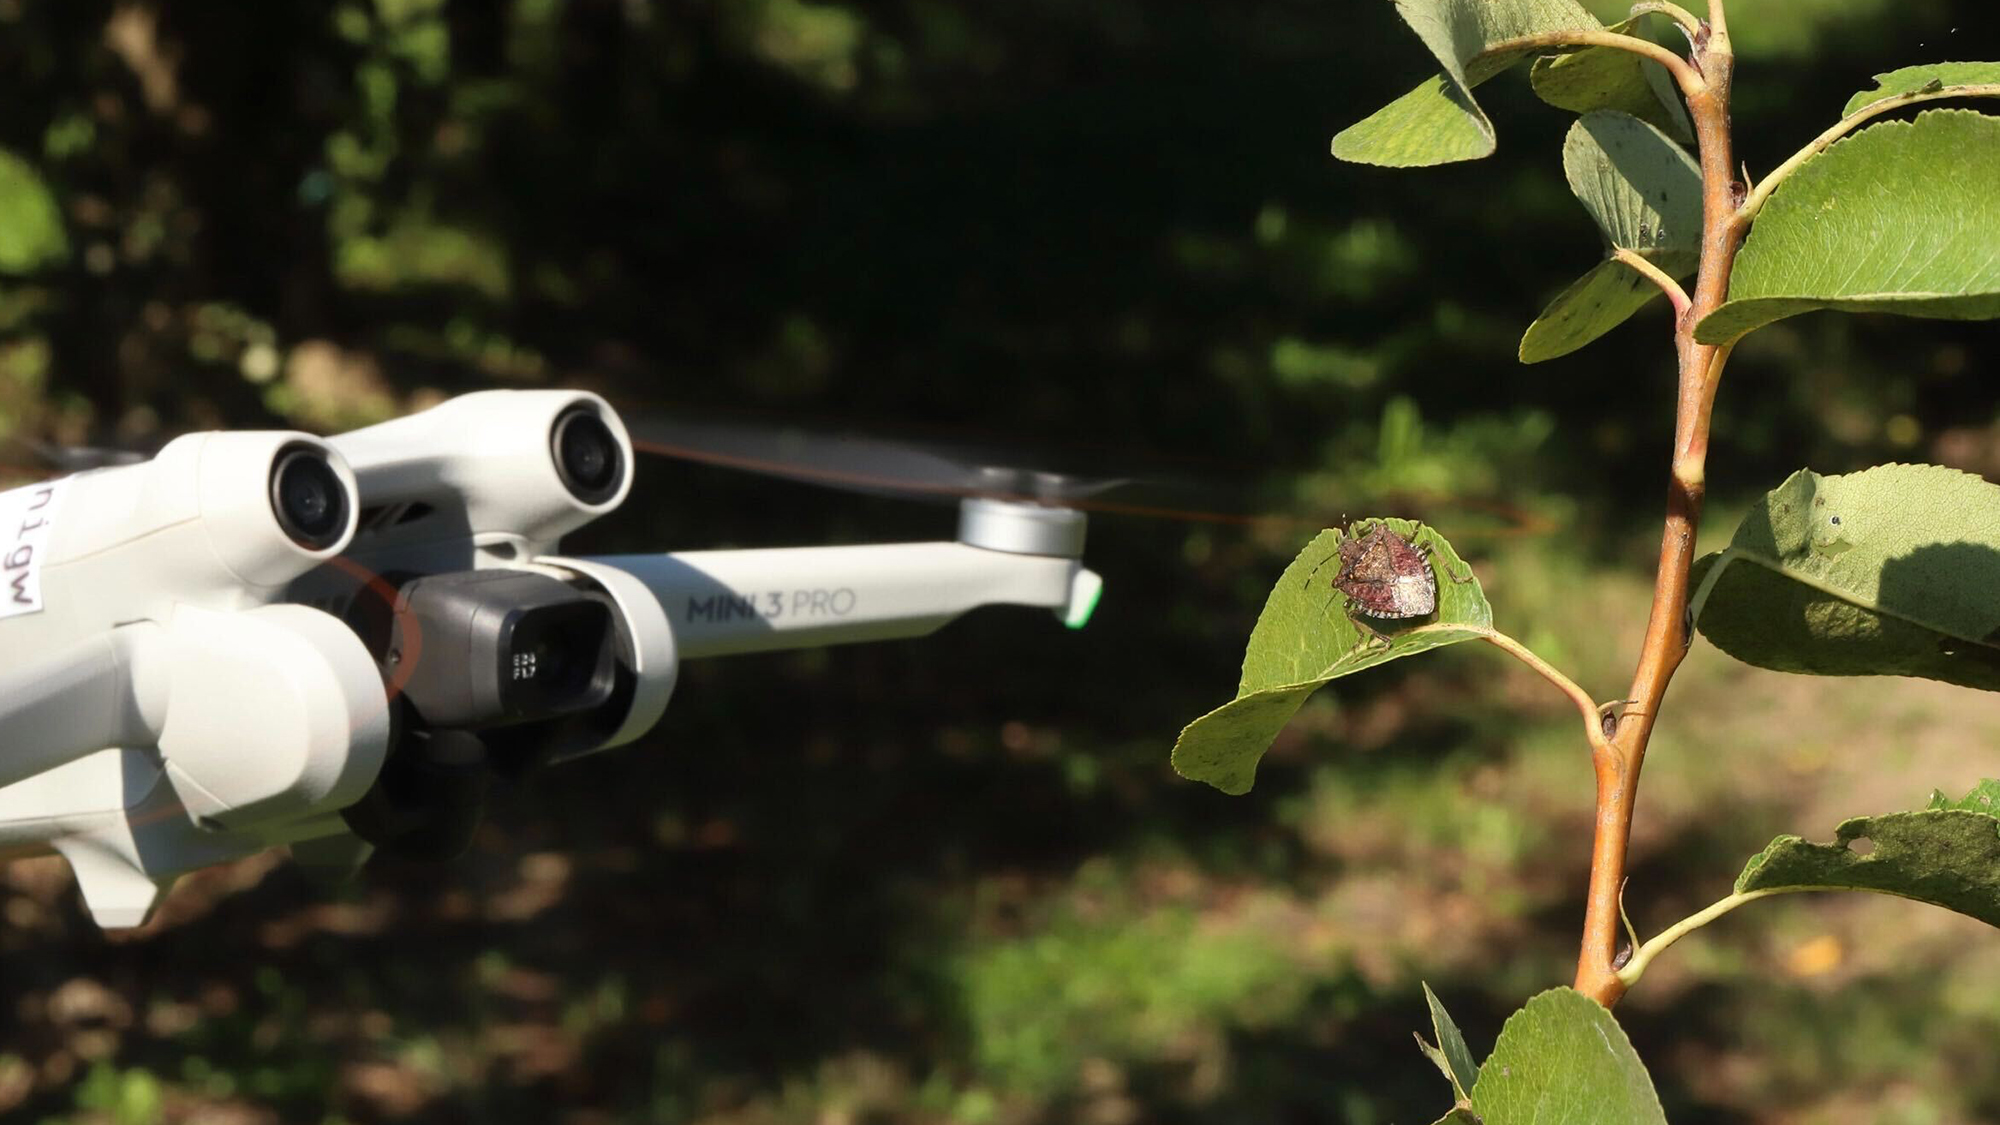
<point>954,880</point>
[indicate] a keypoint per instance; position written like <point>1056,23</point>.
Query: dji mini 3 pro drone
<point>333,644</point>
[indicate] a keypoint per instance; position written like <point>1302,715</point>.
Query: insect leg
<point>1424,549</point>
<point>1369,634</point>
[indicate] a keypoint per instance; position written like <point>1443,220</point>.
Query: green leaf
<point>1594,304</point>
<point>1911,79</point>
<point>1900,217</point>
<point>1983,797</point>
<point>1644,191</point>
<point>1642,188</point>
<point>1947,855</point>
<point>1562,1060</point>
<point>1439,122</point>
<point>31,227</point>
<point>1306,637</point>
<point>1892,571</point>
<point>1451,1054</point>
<point>1606,78</point>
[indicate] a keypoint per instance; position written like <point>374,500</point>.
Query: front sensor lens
<point>308,498</point>
<point>587,456</point>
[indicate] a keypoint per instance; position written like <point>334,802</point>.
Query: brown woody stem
<point>1618,762</point>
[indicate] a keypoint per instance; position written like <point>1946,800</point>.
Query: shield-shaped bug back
<point>1386,576</point>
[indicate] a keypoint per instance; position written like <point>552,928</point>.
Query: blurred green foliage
<point>954,880</point>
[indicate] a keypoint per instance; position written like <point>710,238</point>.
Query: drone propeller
<point>926,470</point>
<point>943,472</point>
<point>915,470</point>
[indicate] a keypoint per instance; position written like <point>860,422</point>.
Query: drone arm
<point>155,749</point>
<point>110,690</point>
<point>720,602</point>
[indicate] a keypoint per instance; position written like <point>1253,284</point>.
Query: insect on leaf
<point>1307,635</point>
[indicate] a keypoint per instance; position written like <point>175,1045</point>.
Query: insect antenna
<point>1315,569</point>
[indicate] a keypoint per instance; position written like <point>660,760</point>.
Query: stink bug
<point>1384,576</point>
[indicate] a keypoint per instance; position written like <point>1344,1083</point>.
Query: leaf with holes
<point>1900,217</point>
<point>1439,122</point>
<point>1606,78</point>
<point>1947,855</point>
<point>1983,797</point>
<point>1307,635</point>
<point>1911,79</point>
<point>1891,571</point>
<point>1644,191</point>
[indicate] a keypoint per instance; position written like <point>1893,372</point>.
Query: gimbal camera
<point>333,644</point>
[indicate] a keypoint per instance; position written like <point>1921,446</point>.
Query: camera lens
<point>587,456</point>
<point>554,655</point>
<point>308,498</point>
<point>503,646</point>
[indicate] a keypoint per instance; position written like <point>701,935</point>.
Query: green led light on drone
<point>1081,608</point>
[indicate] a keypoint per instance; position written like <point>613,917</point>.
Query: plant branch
<point>1617,762</point>
<point>1657,276</point>
<point>1754,202</point>
<point>1593,725</point>
<point>1680,15</point>
<point>1643,955</point>
<point>1685,76</point>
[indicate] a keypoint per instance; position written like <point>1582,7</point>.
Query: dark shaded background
<point>952,879</point>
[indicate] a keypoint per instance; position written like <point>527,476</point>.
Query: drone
<point>335,645</point>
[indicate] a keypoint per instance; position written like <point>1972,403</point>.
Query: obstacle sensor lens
<point>308,498</point>
<point>587,456</point>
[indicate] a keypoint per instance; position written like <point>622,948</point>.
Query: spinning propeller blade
<point>925,470</point>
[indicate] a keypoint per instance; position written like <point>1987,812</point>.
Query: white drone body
<point>260,639</point>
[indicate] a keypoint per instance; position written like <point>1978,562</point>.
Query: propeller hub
<point>1021,528</point>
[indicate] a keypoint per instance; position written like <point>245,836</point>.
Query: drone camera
<point>588,457</point>
<point>489,648</point>
<point>308,497</point>
<point>486,478</point>
<point>274,505</point>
